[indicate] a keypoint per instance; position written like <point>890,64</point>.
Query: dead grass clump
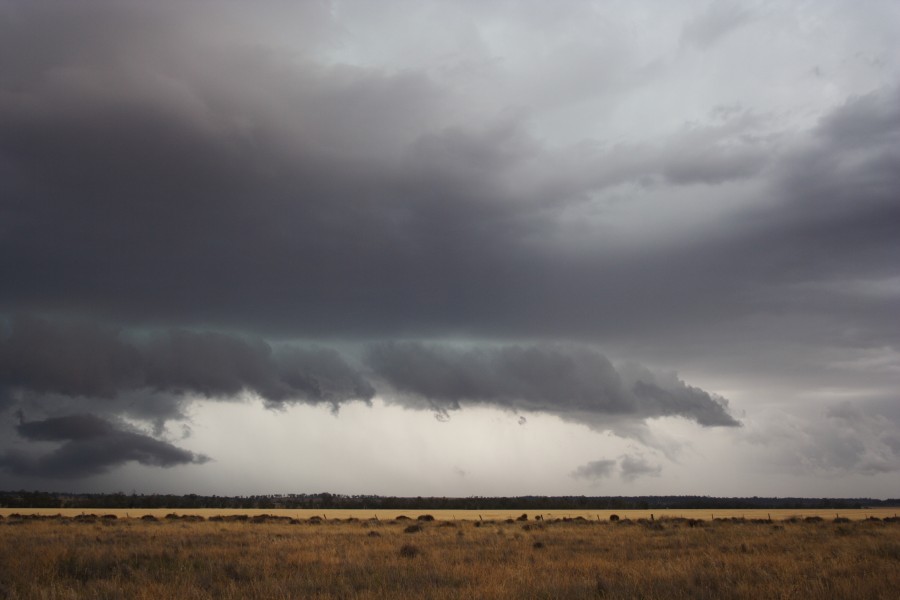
<point>266,518</point>
<point>409,551</point>
<point>413,529</point>
<point>236,518</point>
<point>402,518</point>
<point>373,534</point>
<point>813,520</point>
<point>537,545</point>
<point>425,518</point>
<point>84,518</point>
<point>185,518</point>
<point>841,520</point>
<point>149,518</point>
<point>522,517</point>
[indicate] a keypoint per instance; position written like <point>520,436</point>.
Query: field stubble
<point>664,558</point>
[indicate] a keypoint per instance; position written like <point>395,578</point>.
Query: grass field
<point>340,558</point>
<point>475,515</point>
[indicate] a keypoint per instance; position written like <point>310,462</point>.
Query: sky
<point>450,248</point>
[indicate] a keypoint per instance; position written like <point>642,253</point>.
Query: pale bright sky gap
<point>450,248</point>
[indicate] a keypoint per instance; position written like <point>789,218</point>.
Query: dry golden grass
<point>475,515</point>
<point>665,558</point>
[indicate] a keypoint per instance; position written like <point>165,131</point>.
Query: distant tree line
<point>34,499</point>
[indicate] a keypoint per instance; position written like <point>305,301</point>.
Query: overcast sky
<point>450,247</point>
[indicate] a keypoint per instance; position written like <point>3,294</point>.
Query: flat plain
<point>475,515</point>
<point>248,554</point>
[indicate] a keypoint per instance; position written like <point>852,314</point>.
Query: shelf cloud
<point>573,382</point>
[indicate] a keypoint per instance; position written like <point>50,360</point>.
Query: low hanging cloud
<point>596,469</point>
<point>83,378</point>
<point>573,382</point>
<point>630,467</point>
<point>90,445</point>
<point>42,357</point>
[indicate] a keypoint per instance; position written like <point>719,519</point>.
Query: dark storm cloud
<point>56,367</point>
<point>156,176</point>
<point>91,445</point>
<point>216,183</point>
<point>42,357</point>
<point>73,427</point>
<point>71,359</point>
<point>576,383</point>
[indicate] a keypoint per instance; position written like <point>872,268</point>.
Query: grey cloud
<point>596,469</point>
<point>683,400</point>
<point>72,359</point>
<point>720,18</point>
<point>183,171</point>
<point>630,467</point>
<point>870,120</point>
<point>714,164</point>
<point>55,367</point>
<point>635,465</point>
<point>303,216</point>
<point>574,382</point>
<point>40,356</point>
<point>91,445</point>
<point>305,199</point>
<point>858,437</point>
<point>73,427</point>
